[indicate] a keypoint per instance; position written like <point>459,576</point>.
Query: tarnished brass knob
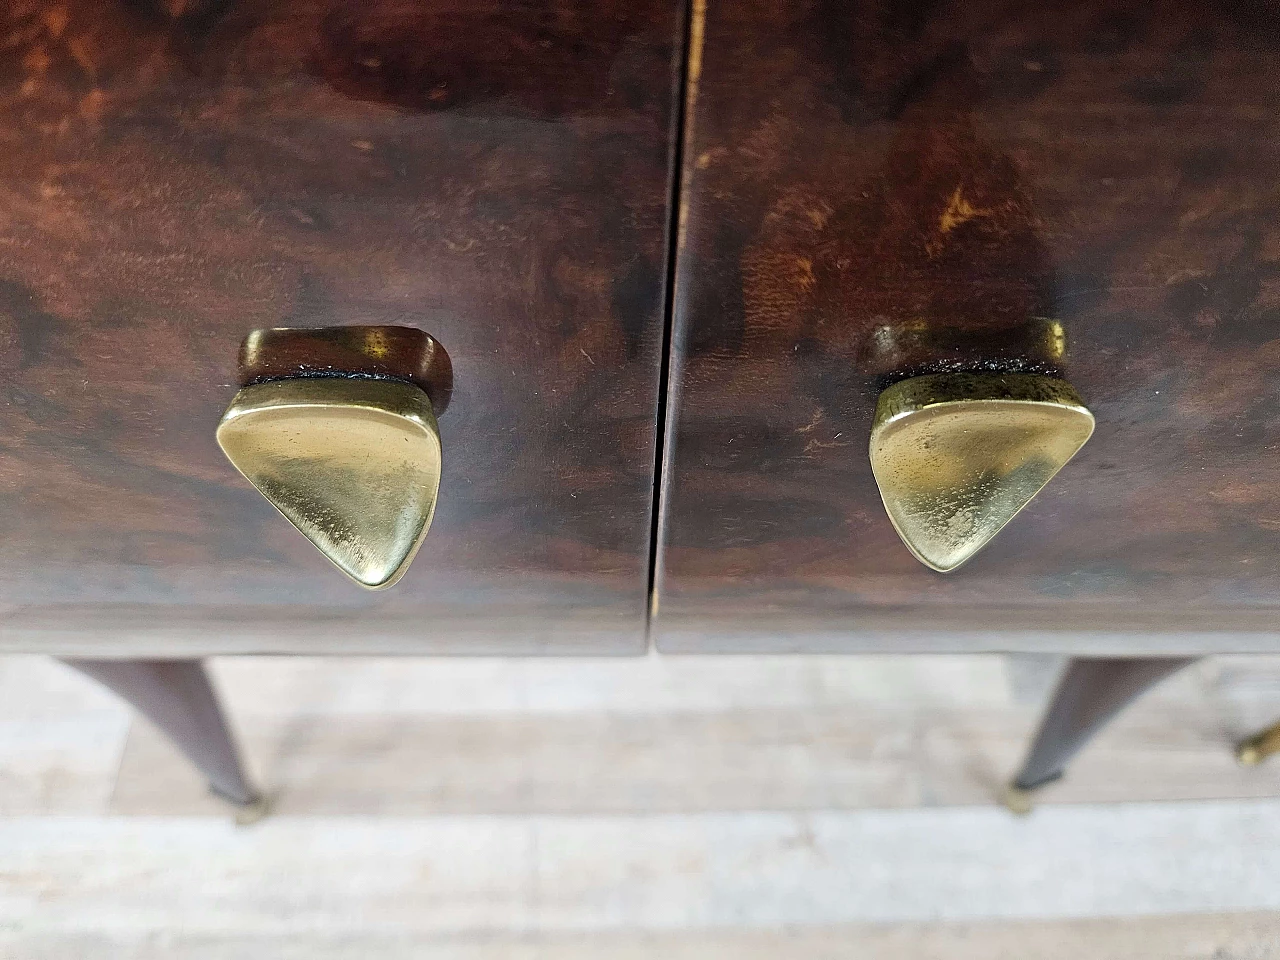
<point>956,456</point>
<point>340,436</point>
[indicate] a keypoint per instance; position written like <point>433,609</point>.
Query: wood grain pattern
<point>175,174</point>
<point>857,172</point>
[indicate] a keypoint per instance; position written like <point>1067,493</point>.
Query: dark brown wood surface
<point>873,190</point>
<point>175,174</point>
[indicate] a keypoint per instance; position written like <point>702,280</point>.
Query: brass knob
<point>351,458</point>
<point>956,456</point>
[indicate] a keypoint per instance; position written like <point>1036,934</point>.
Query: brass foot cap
<point>1248,755</point>
<point>246,814</point>
<point>1257,748</point>
<point>1018,801</point>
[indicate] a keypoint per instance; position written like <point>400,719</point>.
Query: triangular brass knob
<point>956,456</point>
<point>352,463</point>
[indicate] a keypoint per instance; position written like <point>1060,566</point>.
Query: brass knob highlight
<point>957,456</point>
<point>336,429</point>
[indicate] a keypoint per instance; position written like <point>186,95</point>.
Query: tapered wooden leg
<point>177,697</point>
<point>1091,692</point>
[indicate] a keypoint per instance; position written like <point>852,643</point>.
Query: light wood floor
<point>663,807</point>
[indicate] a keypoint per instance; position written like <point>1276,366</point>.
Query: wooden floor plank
<point>1253,936</point>
<point>675,734</point>
<point>641,685</point>
<point>133,878</point>
<point>763,759</point>
<point>750,807</point>
<point>61,739</point>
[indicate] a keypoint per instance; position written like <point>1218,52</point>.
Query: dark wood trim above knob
<point>400,353</point>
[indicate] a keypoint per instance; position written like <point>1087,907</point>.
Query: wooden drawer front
<point>854,167</point>
<point>494,175</point>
